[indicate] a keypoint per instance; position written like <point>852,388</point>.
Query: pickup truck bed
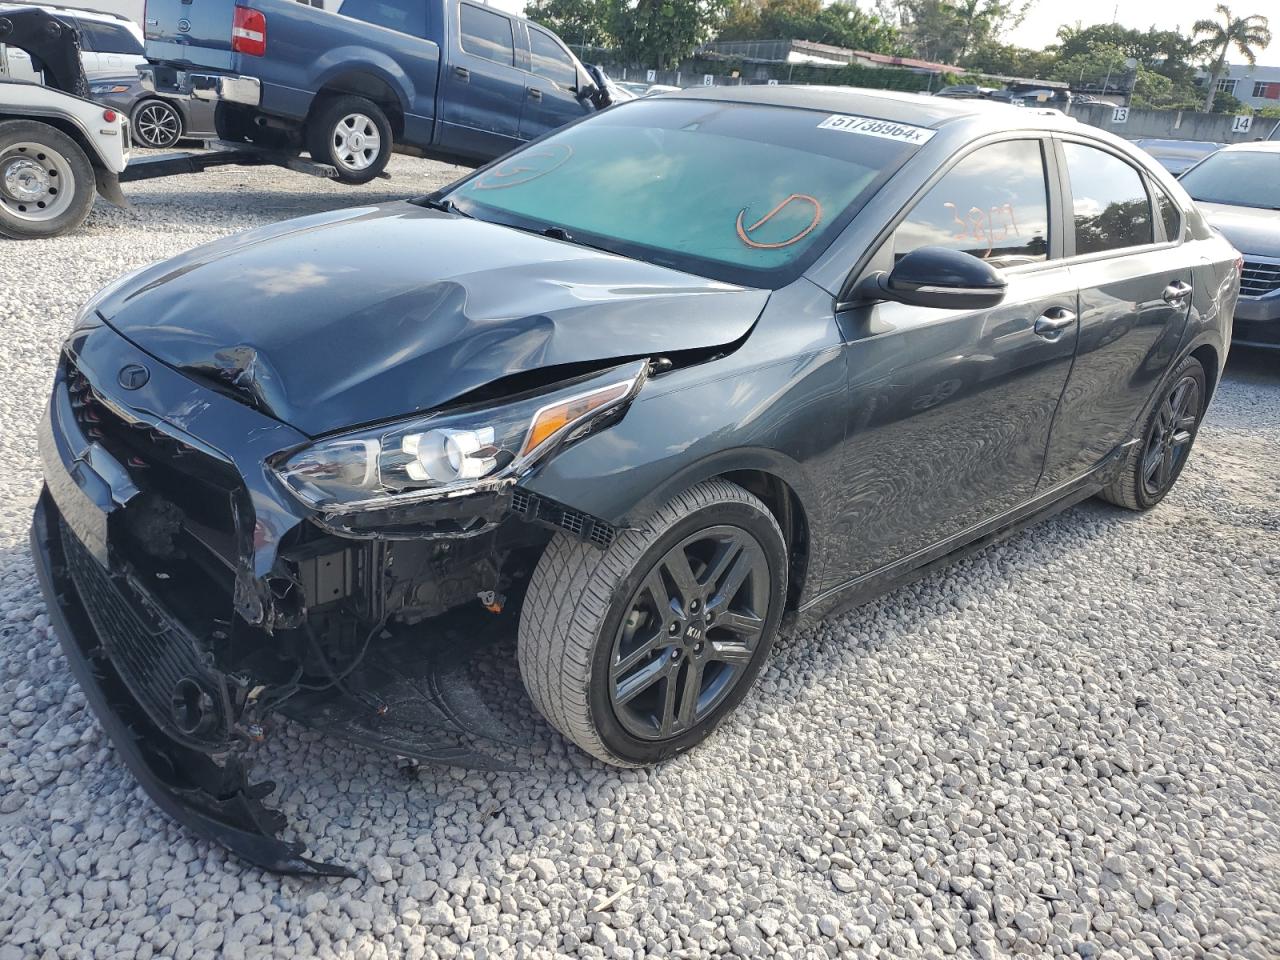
<point>449,79</point>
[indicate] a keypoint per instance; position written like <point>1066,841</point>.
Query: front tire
<point>46,181</point>
<point>352,134</point>
<point>156,124</point>
<point>638,652</point>
<point>1155,464</point>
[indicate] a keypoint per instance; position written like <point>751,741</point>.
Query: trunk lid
<point>193,34</point>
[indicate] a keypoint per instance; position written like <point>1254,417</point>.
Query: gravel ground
<point>1064,746</point>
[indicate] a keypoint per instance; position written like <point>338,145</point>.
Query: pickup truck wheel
<point>46,181</point>
<point>636,653</point>
<point>156,124</point>
<point>353,134</point>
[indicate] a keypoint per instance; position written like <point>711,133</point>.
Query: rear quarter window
<point>108,38</point>
<point>403,16</point>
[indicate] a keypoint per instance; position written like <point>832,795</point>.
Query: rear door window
<point>993,204</point>
<point>107,38</point>
<point>1109,203</point>
<point>403,16</point>
<point>550,60</point>
<point>487,34</point>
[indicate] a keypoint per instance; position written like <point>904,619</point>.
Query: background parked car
<point>640,89</point>
<point>1177,156</point>
<point>1238,190</point>
<point>109,43</point>
<point>455,81</point>
<point>156,122</point>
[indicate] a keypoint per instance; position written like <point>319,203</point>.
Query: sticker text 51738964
<point>871,127</point>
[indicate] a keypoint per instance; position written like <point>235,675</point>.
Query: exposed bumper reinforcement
<point>216,802</point>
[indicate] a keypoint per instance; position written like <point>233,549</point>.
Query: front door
<point>950,411</point>
<point>483,88</point>
<point>1135,280</point>
<point>551,98</point>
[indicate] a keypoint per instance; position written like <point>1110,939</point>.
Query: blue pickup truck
<point>448,79</point>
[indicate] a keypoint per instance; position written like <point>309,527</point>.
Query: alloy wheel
<point>1171,435</point>
<point>690,632</point>
<point>356,141</point>
<point>36,182</point>
<point>157,125</point>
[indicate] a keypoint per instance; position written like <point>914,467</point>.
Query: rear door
<point>1135,279</point>
<point>551,99</point>
<point>189,32</point>
<point>950,410</point>
<point>482,87</point>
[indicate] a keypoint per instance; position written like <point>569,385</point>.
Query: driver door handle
<point>1176,292</point>
<point>535,93</point>
<point>1053,323</point>
<point>462,73</point>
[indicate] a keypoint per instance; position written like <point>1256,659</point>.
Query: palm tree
<point>1243,33</point>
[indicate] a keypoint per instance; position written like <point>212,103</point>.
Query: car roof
<point>913,108</point>
<point>85,12</point>
<point>1256,146</point>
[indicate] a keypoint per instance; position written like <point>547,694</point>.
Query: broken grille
<point>152,658</point>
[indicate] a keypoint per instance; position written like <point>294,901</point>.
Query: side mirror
<point>937,277</point>
<point>594,88</point>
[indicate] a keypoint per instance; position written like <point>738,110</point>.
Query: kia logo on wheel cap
<point>133,375</point>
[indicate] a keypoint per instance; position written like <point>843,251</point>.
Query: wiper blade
<point>446,205</point>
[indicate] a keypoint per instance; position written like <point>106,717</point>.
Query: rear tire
<point>1154,465</point>
<point>46,181</point>
<point>634,662</point>
<point>352,134</point>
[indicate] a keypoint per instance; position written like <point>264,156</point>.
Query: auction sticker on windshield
<point>871,127</point>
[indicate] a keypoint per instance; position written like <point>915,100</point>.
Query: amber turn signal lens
<point>549,421</point>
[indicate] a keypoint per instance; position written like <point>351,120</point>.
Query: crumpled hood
<point>1251,231</point>
<point>372,313</point>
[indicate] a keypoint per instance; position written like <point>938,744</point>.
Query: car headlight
<point>100,89</point>
<point>451,453</point>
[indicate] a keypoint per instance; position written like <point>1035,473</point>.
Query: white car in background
<point>110,45</point>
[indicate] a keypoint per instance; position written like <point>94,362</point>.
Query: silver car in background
<point>1238,190</point>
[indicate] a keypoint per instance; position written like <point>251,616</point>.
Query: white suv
<point>110,45</point>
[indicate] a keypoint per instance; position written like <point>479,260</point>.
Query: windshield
<point>1239,177</point>
<point>737,192</point>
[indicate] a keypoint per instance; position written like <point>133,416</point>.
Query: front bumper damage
<point>196,601</point>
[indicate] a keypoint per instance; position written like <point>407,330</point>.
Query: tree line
<point>1159,66</point>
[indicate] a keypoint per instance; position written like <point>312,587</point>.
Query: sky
<point>1041,25</point>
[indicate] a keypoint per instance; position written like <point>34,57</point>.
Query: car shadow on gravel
<point>1253,366</point>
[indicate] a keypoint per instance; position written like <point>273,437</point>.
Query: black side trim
<point>537,509</point>
<point>215,802</point>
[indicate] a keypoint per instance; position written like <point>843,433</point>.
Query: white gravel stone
<point>1064,746</point>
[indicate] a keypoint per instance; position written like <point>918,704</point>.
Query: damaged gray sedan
<point>632,396</point>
